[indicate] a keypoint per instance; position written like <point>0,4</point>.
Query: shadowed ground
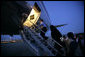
<point>16,49</point>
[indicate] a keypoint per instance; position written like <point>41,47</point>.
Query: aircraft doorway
<point>33,16</point>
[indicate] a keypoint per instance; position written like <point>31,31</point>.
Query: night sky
<point>66,12</point>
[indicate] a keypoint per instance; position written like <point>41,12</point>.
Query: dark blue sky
<point>66,12</point>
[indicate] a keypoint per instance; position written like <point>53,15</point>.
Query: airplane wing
<point>61,25</point>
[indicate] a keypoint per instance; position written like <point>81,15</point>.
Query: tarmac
<point>15,48</point>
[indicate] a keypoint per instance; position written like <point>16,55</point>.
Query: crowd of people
<point>74,46</point>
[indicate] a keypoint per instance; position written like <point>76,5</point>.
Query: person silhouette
<point>56,35</point>
<point>44,29</point>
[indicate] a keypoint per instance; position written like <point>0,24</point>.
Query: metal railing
<point>37,27</point>
<point>44,32</point>
<point>48,45</point>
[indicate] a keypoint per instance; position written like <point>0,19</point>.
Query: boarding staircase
<point>40,46</point>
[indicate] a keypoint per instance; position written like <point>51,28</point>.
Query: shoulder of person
<point>73,44</point>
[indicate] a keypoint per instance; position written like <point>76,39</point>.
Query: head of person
<point>41,21</point>
<point>64,36</point>
<point>80,36</point>
<point>70,35</point>
<point>52,27</point>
